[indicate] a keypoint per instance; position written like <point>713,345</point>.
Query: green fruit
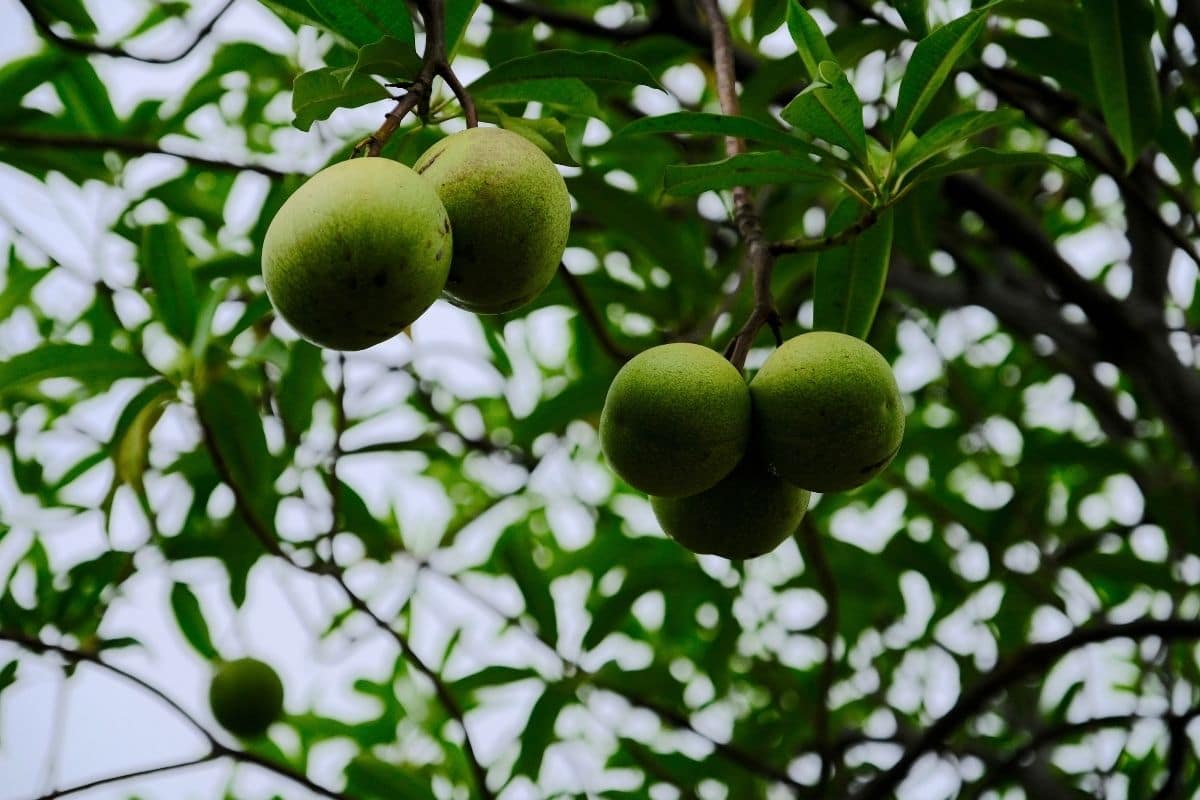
<point>357,253</point>
<point>510,212</point>
<point>747,514</point>
<point>827,412</point>
<point>246,696</point>
<point>676,420</point>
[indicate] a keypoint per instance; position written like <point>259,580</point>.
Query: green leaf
<point>390,57</point>
<point>915,16</point>
<point>767,15</point>
<point>21,76</point>
<point>368,777</point>
<point>932,60</point>
<point>458,16</point>
<point>547,133</point>
<point>513,551</point>
<point>716,124</point>
<point>949,132</point>
<point>569,94</point>
<point>8,675</point>
<point>72,12</point>
<point>130,443</point>
<point>85,98</point>
<point>810,42</point>
<point>319,92</point>
<point>850,279</point>
<point>364,21</point>
<point>539,730</point>
<point>231,419</point>
<point>1119,33</point>
<point>163,260</point>
<point>744,169</point>
<point>986,157</point>
<point>191,622</point>
<point>300,386</point>
<point>91,364</point>
<point>592,65</point>
<point>496,675</point>
<point>830,109</point>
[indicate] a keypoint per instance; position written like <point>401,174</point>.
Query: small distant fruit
<point>246,696</point>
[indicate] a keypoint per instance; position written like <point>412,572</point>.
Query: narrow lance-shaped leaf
<point>319,92</point>
<point>130,444</point>
<point>163,260</point>
<point>949,132</point>
<point>932,60</point>
<point>984,157</point>
<point>364,21</point>
<point>913,12</point>
<point>810,42</point>
<point>592,65</point>
<point>744,169</point>
<point>87,363</point>
<point>390,57</point>
<point>458,15</point>
<point>232,421</point>
<point>1119,33</point>
<point>190,619</point>
<point>829,109</point>
<point>694,122</point>
<point>850,279</point>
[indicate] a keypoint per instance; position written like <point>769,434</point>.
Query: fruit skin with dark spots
<point>510,212</point>
<point>357,253</point>
<point>676,420</point>
<point>827,411</point>
<point>747,514</point>
<point>246,696</point>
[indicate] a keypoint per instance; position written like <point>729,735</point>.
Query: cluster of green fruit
<point>246,697</point>
<point>365,246</point>
<point>729,467</point>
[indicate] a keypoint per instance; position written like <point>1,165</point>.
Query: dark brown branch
<point>592,316</point>
<point>758,260</point>
<point>860,225</point>
<point>1032,660</point>
<point>126,776</point>
<point>132,147</point>
<point>435,63</point>
<point>43,26</point>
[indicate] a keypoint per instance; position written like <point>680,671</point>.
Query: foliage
<point>1001,197</point>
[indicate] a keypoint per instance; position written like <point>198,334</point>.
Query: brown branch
<point>212,755</point>
<point>758,260</point>
<point>860,225</point>
<point>435,63</point>
<point>1032,660</point>
<point>43,26</point>
<point>132,147</point>
<point>592,316</point>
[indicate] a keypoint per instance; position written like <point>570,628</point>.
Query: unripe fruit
<point>827,411</point>
<point>357,253</point>
<point>246,696</point>
<point>747,514</point>
<point>510,212</point>
<point>676,420</point>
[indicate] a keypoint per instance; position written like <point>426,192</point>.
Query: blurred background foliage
<point>442,501</point>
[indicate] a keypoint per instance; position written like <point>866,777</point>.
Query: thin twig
<point>759,260</point>
<point>43,26</point>
<point>212,755</point>
<point>860,225</point>
<point>592,317</point>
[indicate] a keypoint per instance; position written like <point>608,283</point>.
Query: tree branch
<point>758,260</point>
<point>1032,660</point>
<point>591,315</point>
<point>212,755</point>
<point>43,26</point>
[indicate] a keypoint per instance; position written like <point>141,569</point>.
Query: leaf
<point>810,42</point>
<point>850,279</point>
<point>392,58</point>
<point>539,730</point>
<point>85,98</point>
<point>717,124</point>
<point>191,622</point>
<point>915,15</point>
<point>744,169</point>
<point>319,92</point>
<point>232,421</point>
<point>949,132</point>
<point>364,21</point>
<point>547,133</point>
<point>163,260</point>
<point>569,94</point>
<point>986,157</point>
<point>496,675</point>
<point>767,15</point>
<point>368,777</point>
<point>458,16</point>
<point>21,76</point>
<point>593,65</point>
<point>130,444</point>
<point>72,12</point>
<point>830,109</point>
<point>88,363</point>
<point>1119,33</point>
<point>513,551</point>
<point>932,60</point>
<point>300,386</point>
<point>8,675</point>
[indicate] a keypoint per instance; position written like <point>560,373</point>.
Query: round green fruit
<point>246,696</point>
<point>510,212</point>
<point>357,253</point>
<point>676,420</point>
<point>827,411</point>
<point>747,514</point>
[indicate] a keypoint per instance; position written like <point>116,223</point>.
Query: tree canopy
<point>1000,197</point>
